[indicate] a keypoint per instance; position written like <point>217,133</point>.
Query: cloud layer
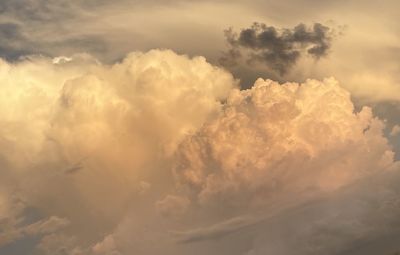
<point>363,58</point>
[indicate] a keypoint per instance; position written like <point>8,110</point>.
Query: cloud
<point>365,65</point>
<point>395,130</point>
<point>340,222</point>
<point>35,10</point>
<point>168,155</point>
<point>59,244</point>
<point>10,215</point>
<point>55,28</point>
<point>282,168</point>
<point>120,122</point>
<point>27,28</point>
<point>107,246</point>
<point>15,223</point>
<point>12,42</point>
<point>218,230</point>
<point>344,222</point>
<point>278,49</point>
<point>275,139</point>
<point>172,205</point>
<point>93,143</point>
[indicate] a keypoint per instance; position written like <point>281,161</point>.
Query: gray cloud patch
<point>279,49</point>
<point>36,10</point>
<point>12,41</point>
<point>24,22</point>
<point>15,44</point>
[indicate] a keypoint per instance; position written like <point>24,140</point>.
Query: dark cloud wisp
<point>278,49</point>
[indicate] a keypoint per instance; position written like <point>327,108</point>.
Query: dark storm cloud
<point>279,49</point>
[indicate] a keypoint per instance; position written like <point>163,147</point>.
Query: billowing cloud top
<point>164,154</point>
<point>277,138</point>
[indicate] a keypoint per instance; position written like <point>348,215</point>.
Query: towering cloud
<point>163,154</point>
<point>78,137</point>
<point>279,49</point>
<point>273,139</point>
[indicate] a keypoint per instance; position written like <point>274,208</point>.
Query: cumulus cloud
<point>279,49</point>
<point>95,134</point>
<point>77,99</point>
<point>162,153</point>
<point>277,157</point>
<point>273,139</point>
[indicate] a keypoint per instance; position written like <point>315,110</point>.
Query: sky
<point>199,127</point>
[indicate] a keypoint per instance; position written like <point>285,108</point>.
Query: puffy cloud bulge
<point>290,137</point>
<point>115,158</point>
<point>75,133</point>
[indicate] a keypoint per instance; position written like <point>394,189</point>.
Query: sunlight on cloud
<point>160,153</point>
<point>276,138</point>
